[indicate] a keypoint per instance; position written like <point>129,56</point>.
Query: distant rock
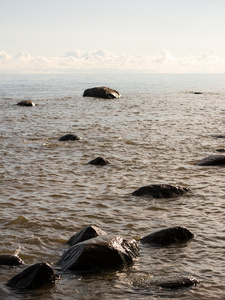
<point>26,103</point>
<point>100,253</point>
<point>161,191</point>
<point>86,233</point>
<point>218,136</point>
<point>220,150</point>
<point>33,277</point>
<point>99,161</point>
<point>168,236</point>
<point>198,93</point>
<point>101,92</point>
<point>212,160</point>
<point>10,260</point>
<point>69,137</point>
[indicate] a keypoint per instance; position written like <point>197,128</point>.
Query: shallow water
<point>152,134</point>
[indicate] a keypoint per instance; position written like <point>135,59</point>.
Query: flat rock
<point>161,191</point>
<point>26,103</point>
<point>33,277</point>
<point>101,92</point>
<point>100,253</point>
<point>212,160</point>
<point>178,283</point>
<point>168,236</point>
<point>10,260</point>
<point>86,233</point>
<point>99,161</point>
<point>69,137</point>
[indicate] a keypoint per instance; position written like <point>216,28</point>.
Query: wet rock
<point>99,161</point>
<point>102,252</point>
<point>161,191</point>
<point>218,136</point>
<point>33,277</point>
<point>168,236</point>
<point>212,160</point>
<point>69,137</point>
<point>101,92</point>
<point>26,103</point>
<point>198,93</point>
<point>220,150</point>
<point>86,233</point>
<point>10,260</point>
<point>178,283</point>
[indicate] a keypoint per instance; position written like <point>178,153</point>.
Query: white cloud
<point>102,60</point>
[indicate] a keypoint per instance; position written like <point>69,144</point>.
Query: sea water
<point>153,134</point>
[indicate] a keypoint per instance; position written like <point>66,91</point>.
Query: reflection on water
<point>153,134</point>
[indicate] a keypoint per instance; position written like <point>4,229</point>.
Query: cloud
<point>103,60</point>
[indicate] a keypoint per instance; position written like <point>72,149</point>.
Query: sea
<point>153,134</point>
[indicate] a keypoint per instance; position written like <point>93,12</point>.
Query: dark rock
<point>85,234</point>
<point>220,150</point>
<point>99,161</point>
<point>69,137</point>
<point>101,92</point>
<point>26,103</point>
<point>10,260</point>
<point>178,283</point>
<point>198,93</point>
<point>218,136</point>
<point>212,160</point>
<point>33,277</point>
<point>161,191</point>
<point>102,252</point>
<point>168,236</point>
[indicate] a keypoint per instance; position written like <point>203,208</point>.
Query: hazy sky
<point>140,31</point>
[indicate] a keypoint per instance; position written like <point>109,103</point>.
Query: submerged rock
<point>212,160</point>
<point>86,233</point>
<point>10,260</point>
<point>168,236</point>
<point>33,277</point>
<point>102,252</point>
<point>99,161</point>
<point>178,283</point>
<point>101,92</point>
<point>69,137</point>
<point>161,191</point>
<point>26,103</point>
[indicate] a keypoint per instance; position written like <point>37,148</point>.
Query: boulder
<point>69,137</point>
<point>101,92</point>
<point>220,150</point>
<point>100,253</point>
<point>10,260</point>
<point>168,236</point>
<point>33,277</point>
<point>161,191</point>
<point>212,160</point>
<point>99,161</point>
<point>26,103</point>
<point>86,233</point>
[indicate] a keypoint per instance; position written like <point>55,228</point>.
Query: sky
<point>162,36</point>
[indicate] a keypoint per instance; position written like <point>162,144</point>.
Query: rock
<point>101,92</point>
<point>86,233</point>
<point>198,93</point>
<point>212,160</point>
<point>10,260</point>
<point>178,283</point>
<point>26,103</point>
<point>161,191</point>
<point>69,137</point>
<point>220,150</point>
<point>102,252</point>
<point>168,236</point>
<point>218,136</point>
<point>33,277</point>
<point>99,161</point>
